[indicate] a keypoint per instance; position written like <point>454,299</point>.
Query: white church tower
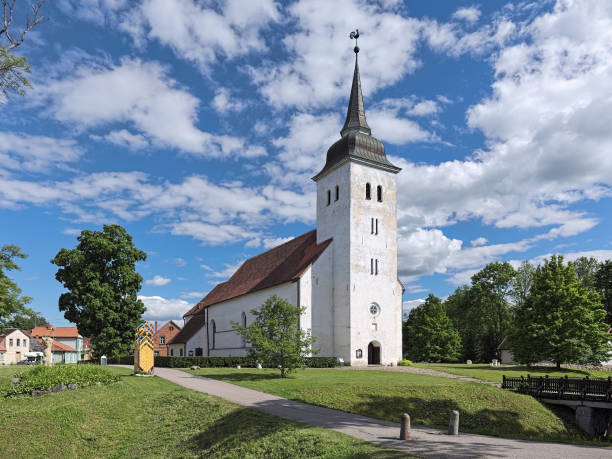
<point>357,209</point>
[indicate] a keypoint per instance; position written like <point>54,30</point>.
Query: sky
<point>197,126</point>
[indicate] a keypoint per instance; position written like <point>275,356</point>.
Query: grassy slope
<point>489,373</point>
<point>429,400</point>
<point>151,417</point>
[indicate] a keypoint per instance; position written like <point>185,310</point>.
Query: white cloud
<point>202,34</point>
<point>223,102</point>
<point>126,139</point>
<point>142,95</point>
<point>409,305</point>
<point>424,251</point>
<point>158,281</point>
<point>479,241</point>
<point>470,14</point>
<point>180,262</point>
<point>72,231</point>
<point>228,270</point>
<point>194,295</point>
<point>320,70</point>
<point>36,153</point>
<point>159,308</point>
<point>269,243</point>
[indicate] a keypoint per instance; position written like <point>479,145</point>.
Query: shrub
<point>404,363</point>
<point>163,361</point>
<point>46,378</point>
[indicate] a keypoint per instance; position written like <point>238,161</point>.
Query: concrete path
<point>426,442</point>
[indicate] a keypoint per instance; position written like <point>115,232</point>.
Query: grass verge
<point>151,417</point>
<point>429,400</point>
<point>489,373</point>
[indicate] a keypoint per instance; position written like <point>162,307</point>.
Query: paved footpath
<point>426,442</point>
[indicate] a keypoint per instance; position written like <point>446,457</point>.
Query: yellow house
<point>15,344</point>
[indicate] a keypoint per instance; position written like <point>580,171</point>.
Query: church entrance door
<point>373,353</point>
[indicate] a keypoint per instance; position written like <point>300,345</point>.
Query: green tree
<point>561,320</point>
<point>431,334</point>
<point>465,309</point>
<point>11,300</point>
<point>586,271</point>
<point>13,68</point>
<point>522,283</point>
<point>603,284</point>
<point>275,336</point>
<point>26,319</point>
<point>102,283</point>
<point>493,285</point>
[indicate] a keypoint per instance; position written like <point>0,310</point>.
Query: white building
<point>14,345</point>
<point>344,272</point>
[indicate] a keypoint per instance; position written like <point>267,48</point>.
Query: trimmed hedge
<point>218,362</point>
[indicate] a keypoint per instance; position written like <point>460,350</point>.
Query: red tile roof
<point>281,264</point>
<point>59,332</point>
<point>56,346</point>
<point>190,329</point>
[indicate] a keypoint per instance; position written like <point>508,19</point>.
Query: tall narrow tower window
<point>379,193</point>
<point>337,192</point>
<point>328,197</point>
<point>376,226</point>
<point>368,191</point>
<point>371,265</point>
<point>376,267</point>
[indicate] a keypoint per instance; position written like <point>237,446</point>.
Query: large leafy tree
<point>11,299</point>
<point>431,336</point>
<point>586,271</point>
<point>561,320</point>
<point>522,283</point>
<point>275,336</point>
<point>493,285</point>
<point>603,284</point>
<point>102,283</point>
<point>13,68</point>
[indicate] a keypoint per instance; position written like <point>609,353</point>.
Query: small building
<point>14,344</point>
<point>163,336</point>
<point>68,343</point>
<point>505,355</point>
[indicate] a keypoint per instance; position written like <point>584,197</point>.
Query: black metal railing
<point>564,388</point>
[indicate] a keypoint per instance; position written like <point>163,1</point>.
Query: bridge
<point>590,397</point>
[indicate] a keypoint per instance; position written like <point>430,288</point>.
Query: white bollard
<point>453,426</point>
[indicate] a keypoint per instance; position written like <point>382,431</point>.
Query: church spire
<point>355,114</point>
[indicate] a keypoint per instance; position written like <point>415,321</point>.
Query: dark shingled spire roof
<point>355,115</point>
<point>356,143</point>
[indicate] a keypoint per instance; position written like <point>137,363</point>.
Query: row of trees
<point>556,311</point>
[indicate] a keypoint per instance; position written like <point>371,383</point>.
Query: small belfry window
<point>379,193</point>
<point>328,197</point>
<point>371,265</point>
<point>162,340</point>
<point>368,191</point>
<point>376,267</point>
<point>337,192</point>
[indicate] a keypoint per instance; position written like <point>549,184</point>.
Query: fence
<point>564,388</point>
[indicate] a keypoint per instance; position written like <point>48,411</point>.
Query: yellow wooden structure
<point>143,349</point>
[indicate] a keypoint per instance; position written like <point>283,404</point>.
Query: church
<point>344,272</point>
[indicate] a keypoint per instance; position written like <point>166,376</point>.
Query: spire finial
<point>354,36</point>
<point>355,115</point>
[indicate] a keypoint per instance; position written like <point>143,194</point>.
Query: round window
<point>374,309</point>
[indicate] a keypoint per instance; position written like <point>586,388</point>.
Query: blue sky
<point>197,126</point>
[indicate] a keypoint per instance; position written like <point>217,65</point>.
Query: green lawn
<point>429,400</point>
<point>489,373</point>
<point>151,417</point>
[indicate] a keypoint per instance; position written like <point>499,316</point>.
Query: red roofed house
<point>344,272</point>
<point>14,344</point>
<point>67,345</point>
<point>163,336</point>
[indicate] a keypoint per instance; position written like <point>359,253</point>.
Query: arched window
<point>328,197</point>
<point>337,192</point>
<point>214,331</point>
<point>379,193</point>
<point>368,191</point>
<point>243,323</point>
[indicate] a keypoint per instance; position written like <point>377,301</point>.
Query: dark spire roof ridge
<point>355,114</point>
